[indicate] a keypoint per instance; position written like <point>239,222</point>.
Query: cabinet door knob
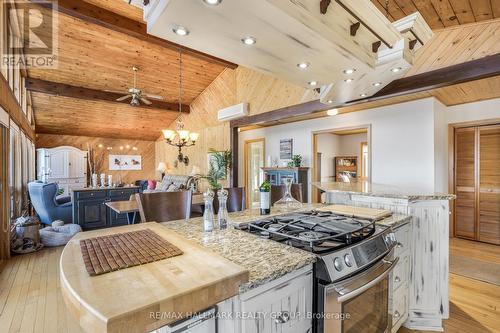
<point>399,245</point>
<point>397,314</point>
<point>397,279</point>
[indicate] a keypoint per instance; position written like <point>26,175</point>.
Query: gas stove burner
<point>318,213</point>
<point>312,235</point>
<point>274,227</point>
<point>265,234</point>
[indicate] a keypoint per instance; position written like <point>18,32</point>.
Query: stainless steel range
<point>352,284</point>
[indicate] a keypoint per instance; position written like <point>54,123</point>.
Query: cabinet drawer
<point>122,193</point>
<point>400,273</point>
<point>91,195</point>
<point>291,299</point>
<point>403,239</point>
<point>400,306</point>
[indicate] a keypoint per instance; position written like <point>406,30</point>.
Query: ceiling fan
<point>137,96</point>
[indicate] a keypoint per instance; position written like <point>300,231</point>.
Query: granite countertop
<point>381,190</point>
<point>266,260</point>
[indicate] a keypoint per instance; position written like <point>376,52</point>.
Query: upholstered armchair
<point>48,208</point>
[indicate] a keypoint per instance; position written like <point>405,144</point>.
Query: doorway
<point>255,152</point>
<point>341,155</point>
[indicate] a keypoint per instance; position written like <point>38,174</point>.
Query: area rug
<point>475,269</point>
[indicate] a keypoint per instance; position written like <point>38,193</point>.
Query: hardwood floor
<point>31,300</point>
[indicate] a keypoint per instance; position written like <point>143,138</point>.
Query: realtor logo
<point>32,34</point>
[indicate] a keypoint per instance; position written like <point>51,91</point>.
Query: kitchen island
<point>240,272</point>
<point>429,235</point>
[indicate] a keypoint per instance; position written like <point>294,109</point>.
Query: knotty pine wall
<point>262,92</point>
<point>145,148</point>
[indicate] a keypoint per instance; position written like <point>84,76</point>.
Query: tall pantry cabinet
<point>477,183</point>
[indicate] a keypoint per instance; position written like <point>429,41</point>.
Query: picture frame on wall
<point>286,149</point>
<point>125,162</point>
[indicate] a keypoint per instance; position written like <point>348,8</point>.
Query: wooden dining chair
<point>235,200</point>
<point>278,191</point>
<point>164,206</point>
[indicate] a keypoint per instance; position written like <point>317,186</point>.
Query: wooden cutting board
<point>123,300</point>
<point>361,212</point>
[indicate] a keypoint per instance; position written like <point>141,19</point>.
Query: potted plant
<point>296,160</point>
<point>220,162</point>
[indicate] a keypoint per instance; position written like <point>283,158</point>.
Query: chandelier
<point>180,137</point>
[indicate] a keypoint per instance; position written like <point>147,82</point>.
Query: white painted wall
<point>484,110</point>
<point>329,145</point>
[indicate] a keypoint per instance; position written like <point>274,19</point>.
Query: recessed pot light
<point>396,69</point>
<point>332,112</point>
<point>376,84</point>
<point>348,80</point>
<point>312,83</point>
<point>249,40</point>
<point>329,101</point>
<point>303,65</point>
<point>349,71</point>
<point>181,31</point>
<point>363,95</point>
<point>212,2</point>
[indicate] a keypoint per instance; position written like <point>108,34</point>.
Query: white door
<point>58,164</point>
<point>77,164</point>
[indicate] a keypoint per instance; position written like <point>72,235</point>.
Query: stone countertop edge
<point>266,260</point>
<point>380,190</point>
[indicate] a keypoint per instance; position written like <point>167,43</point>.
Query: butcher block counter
<point>126,300</point>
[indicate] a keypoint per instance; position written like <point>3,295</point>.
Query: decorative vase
<point>94,180</point>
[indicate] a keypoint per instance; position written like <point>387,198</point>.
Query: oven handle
<point>380,270</point>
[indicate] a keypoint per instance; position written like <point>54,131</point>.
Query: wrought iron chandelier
<point>180,137</point>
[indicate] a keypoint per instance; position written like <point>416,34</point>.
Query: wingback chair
<point>48,208</point>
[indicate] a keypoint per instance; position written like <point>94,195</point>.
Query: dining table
<point>131,208</point>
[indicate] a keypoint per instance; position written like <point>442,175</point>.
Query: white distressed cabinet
<point>280,306</point>
<point>65,165</point>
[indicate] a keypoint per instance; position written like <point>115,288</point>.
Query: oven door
<point>360,303</point>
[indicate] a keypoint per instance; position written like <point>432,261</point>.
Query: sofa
<point>169,183</point>
<point>47,206</point>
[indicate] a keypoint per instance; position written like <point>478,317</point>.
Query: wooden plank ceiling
<point>442,13</point>
<point>92,56</point>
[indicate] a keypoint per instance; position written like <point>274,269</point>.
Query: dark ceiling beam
<point>90,13</point>
<point>465,72</point>
<point>66,90</point>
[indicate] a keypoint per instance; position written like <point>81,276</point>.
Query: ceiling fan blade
<point>158,97</point>
<point>145,101</point>
<point>123,98</point>
<point>115,91</point>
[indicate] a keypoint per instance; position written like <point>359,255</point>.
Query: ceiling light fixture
<point>332,112</point>
<point>303,65</point>
<point>180,137</point>
<point>396,69</point>
<point>376,84</point>
<point>363,95</point>
<point>181,31</point>
<point>348,80</point>
<point>249,40</point>
<point>212,2</point>
<point>329,101</point>
<point>312,83</point>
<point>349,71</point>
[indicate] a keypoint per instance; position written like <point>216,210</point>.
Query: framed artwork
<point>286,149</point>
<point>125,162</point>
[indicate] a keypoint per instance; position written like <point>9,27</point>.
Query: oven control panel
<point>347,261</point>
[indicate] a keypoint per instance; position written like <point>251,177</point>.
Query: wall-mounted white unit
<point>65,165</point>
<point>233,112</point>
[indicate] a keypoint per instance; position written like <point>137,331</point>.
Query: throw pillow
<point>151,184</point>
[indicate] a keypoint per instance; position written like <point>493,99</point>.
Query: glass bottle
<point>208,214</point>
<point>265,198</point>
<point>222,215</point>
<point>287,203</point>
